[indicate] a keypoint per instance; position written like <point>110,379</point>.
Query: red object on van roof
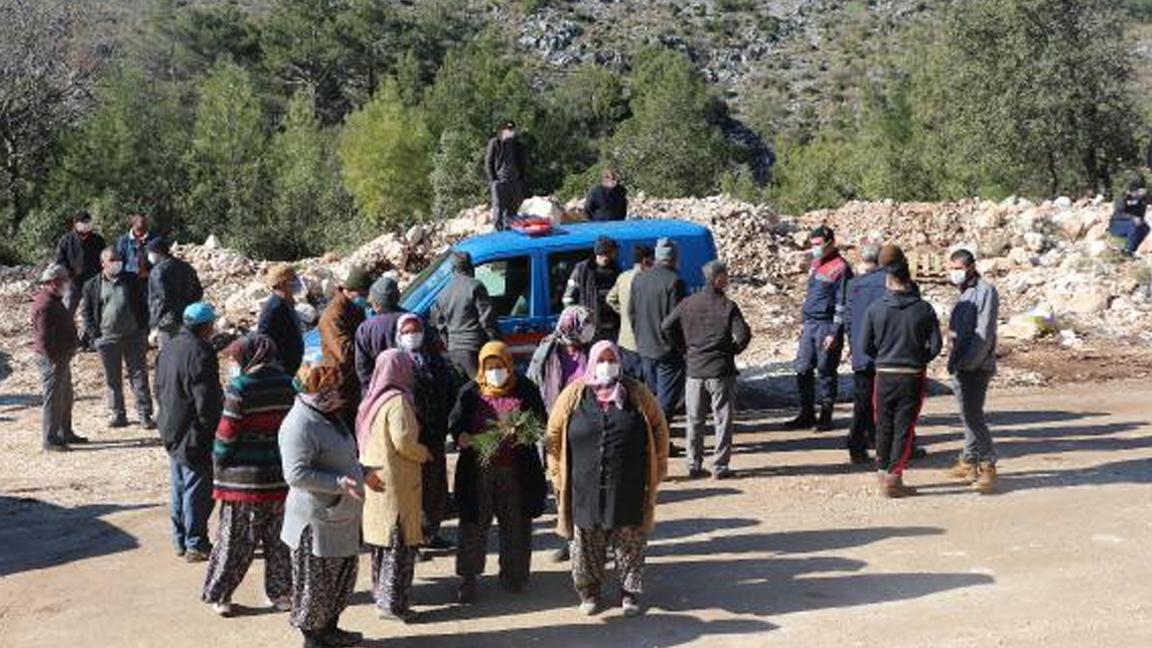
<point>533,226</point>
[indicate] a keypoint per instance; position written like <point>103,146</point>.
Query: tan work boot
<point>895,488</point>
<point>985,479</point>
<point>963,470</point>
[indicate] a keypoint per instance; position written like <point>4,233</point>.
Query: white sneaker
<point>630,606</point>
<point>589,607</point>
<point>279,605</point>
<point>223,608</point>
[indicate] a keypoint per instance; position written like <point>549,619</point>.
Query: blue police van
<point>526,274</point>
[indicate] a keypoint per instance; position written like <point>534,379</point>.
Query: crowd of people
<point>313,462</point>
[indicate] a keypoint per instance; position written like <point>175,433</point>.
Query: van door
<point>510,287</point>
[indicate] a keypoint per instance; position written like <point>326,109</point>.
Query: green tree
<point>457,177</point>
<point>670,145</point>
<point>308,198</point>
<point>227,156</point>
<point>385,147</point>
<point>1033,96</point>
<point>181,41</point>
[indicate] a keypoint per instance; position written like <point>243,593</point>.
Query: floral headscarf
<point>574,327</point>
<point>319,386</point>
<point>252,351</point>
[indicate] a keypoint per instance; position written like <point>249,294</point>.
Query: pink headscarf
<point>392,378</point>
<point>607,391</point>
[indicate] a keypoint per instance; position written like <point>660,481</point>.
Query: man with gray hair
<point>863,291</point>
<point>714,332</point>
<point>55,341</point>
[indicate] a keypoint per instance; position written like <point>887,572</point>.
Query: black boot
<point>314,639</point>
<point>806,390</point>
<point>803,421</point>
<point>825,422</point>
<point>334,636</point>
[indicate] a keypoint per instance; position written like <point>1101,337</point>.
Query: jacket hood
<point>901,300</point>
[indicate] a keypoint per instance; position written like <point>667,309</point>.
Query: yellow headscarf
<point>500,351</point>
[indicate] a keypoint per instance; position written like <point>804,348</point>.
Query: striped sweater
<point>246,455</point>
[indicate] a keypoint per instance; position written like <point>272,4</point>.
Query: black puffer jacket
<point>172,285</point>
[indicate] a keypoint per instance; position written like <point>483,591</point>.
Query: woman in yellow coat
<point>607,448</point>
<point>391,454</point>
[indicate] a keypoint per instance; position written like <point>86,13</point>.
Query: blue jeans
<point>665,378</point>
<point>192,505</point>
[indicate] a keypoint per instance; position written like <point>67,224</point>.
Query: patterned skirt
<point>243,527</point>
<point>589,549</point>
<point>321,587</point>
<point>393,569</point>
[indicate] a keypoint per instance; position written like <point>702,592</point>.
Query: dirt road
<point>796,552</point>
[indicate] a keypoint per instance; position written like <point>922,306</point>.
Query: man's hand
<point>829,341</point>
<point>373,481</point>
<point>465,441</point>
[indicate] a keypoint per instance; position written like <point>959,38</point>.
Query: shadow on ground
<point>38,535</point>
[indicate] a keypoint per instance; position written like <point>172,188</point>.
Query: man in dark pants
<point>172,285</point>
<point>55,341</point>
<point>972,364</point>
<point>655,294</point>
<point>903,334</point>
<point>116,321</point>
<point>589,284</point>
<point>192,401</point>
<point>714,332</point>
<point>822,335</point>
<point>865,289</point>
<point>506,163</point>
<point>78,252</point>
<point>464,317</point>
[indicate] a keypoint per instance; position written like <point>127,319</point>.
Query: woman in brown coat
<point>391,453</point>
<point>607,448</point>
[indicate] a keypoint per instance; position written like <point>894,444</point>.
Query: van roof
<point>579,235</point>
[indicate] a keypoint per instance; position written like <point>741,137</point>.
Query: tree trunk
<point>15,193</point>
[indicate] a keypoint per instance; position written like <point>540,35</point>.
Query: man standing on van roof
<point>589,284</point>
<point>464,317</point>
<point>619,299</point>
<point>607,201</point>
<point>822,335</point>
<point>506,163</point>
<point>655,294</point>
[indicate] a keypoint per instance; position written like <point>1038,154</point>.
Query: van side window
<point>560,265</point>
<point>509,284</point>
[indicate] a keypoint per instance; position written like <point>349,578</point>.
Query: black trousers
<point>898,400</point>
<point>862,434</point>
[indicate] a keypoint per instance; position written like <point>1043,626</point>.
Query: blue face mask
<point>362,304</point>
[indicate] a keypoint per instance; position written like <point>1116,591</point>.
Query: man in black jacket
<point>172,285</point>
<point>188,386</point>
<point>116,324</point>
<point>607,201</point>
<point>715,332</point>
<point>589,285</point>
<point>655,294</point>
<point>506,163</point>
<point>79,253</point>
<point>903,334</point>
<point>464,317</point>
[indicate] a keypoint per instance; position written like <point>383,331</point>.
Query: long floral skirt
<point>243,527</point>
<point>321,587</point>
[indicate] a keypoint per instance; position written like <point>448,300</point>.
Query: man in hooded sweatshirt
<point>902,333</point>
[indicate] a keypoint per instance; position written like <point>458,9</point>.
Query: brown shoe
<point>986,478</point>
<point>963,471</point>
<point>894,487</point>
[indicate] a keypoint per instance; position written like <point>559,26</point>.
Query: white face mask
<point>496,377</point>
<point>114,268</point>
<point>234,371</point>
<point>607,371</point>
<point>153,258</point>
<point>83,228</point>
<point>65,292</point>
<point>817,252</point>
<point>412,341</point>
<point>958,277</point>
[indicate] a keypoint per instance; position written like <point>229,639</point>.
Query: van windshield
<point>424,282</point>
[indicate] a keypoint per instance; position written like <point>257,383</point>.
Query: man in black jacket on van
<point>506,163</point>
<point>903,334</point>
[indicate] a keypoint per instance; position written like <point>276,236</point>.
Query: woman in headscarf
<point>607,447</point>
<point>509,487</point>
<point>433,392</point>
<point>391,454</point>
<point>563,354</point>
<point>324,507</point>
<point>248,480</point>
